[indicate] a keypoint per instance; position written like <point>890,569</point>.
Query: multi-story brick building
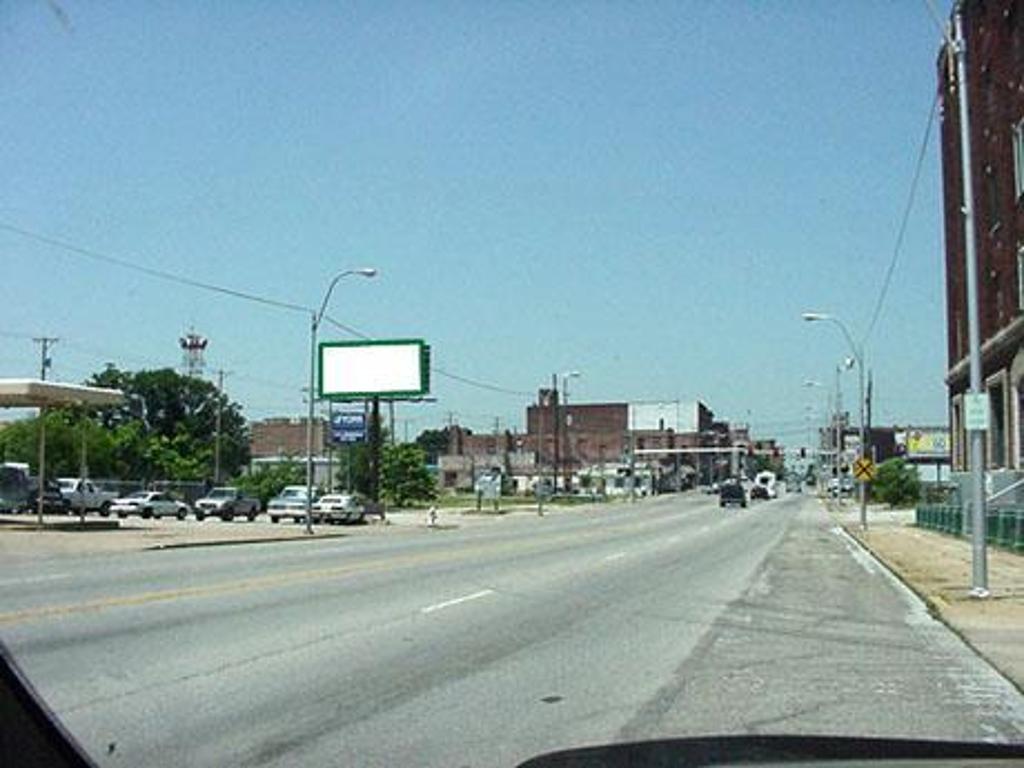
<point>994,32</point>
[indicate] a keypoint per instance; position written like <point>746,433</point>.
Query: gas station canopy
<point>33,393</point>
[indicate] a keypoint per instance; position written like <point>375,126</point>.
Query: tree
<point>267,482</point>
<point>165,429</point>
<point>171,424</point>
<point>404,475</point>
<point>68,431</point>
<point>896,483</point>
<point>434,442</point>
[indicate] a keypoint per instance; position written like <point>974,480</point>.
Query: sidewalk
<point>938,568</point>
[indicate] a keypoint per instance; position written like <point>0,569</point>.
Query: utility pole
<point>837,460</point>
<point>220,416</point>
<point>556,464</point>
<point>979,567</point>
<point>44,342</point>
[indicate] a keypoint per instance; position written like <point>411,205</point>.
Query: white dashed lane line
<point>33,579</point>
<point>457,601</point>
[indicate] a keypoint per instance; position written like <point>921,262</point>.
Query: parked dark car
<point>731,492</point>
<point>54,502</point>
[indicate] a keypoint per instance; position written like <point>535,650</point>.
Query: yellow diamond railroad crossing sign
<point>864,469</point>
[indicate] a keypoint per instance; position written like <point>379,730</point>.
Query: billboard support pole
<point>375,450</point>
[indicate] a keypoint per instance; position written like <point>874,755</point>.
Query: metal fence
<point>1004,527</point>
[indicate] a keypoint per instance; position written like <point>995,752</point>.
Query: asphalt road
<point>485,645</point>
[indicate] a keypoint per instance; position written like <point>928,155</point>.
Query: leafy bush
<point>404,478</point>
<point>267,482</point>
<point>896,483</point>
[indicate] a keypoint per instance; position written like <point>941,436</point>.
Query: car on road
<point>150,504</point>
<point>54,502</point>
<point>759,492</point>
<point>338,508</point>
<point>767,481</point>
<point>227,503</point>
<point>840,486</point>
<point>290,503</point>
<point>731,493</point>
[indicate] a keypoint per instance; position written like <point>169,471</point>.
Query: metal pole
<point>216,444</point>
<point>330,447</point>
<point>555,465</point>
<point>979,569</point>
<point>40,492</point>
<point>863,446</point>
<point>309,424</point>
<point>838,447</point>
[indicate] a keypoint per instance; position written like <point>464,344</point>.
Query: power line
<point>170,277</point>
<point>157,273</point>
<point>903,223</point>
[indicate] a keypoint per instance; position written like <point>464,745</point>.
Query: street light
<point>315,318</point>
<point>858,355</point>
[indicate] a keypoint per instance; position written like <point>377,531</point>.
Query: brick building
<point>284,437</point>
<point>593,440</point>
<point>995,83</point>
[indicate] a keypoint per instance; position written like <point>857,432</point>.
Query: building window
<point>1018,158</point>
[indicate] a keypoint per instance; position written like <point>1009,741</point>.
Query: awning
<point>33,393</point>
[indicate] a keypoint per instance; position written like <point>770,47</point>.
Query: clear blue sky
<point>650,193</point>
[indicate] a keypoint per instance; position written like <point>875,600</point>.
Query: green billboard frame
<point>389,395</point>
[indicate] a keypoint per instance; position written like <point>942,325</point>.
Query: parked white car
<point>290,503</point>
<point>338,508</point>
<point>148,504</point>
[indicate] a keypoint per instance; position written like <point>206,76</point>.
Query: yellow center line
<point>317,574</point>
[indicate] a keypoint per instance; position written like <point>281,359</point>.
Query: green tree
<point>69,434</point>
<point>404,476</point>
<point>434,442</point>
<point>168,425</point>
<point>896,483</point>
<point>267,482</point>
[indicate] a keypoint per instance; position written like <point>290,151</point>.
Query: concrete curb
<point>934,606</point>
<point>71,526</point>
<point>234,542</point>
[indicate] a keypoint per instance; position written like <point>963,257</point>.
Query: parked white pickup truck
<point>84,495</point>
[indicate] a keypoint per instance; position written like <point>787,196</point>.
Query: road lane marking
<point>616,556</point>
<point>33,579</point>
<point>531,545</point>
<point>457,601</point>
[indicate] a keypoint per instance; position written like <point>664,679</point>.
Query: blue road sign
<point>348,427</point>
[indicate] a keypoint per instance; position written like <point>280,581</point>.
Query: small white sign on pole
<point>976,411</point>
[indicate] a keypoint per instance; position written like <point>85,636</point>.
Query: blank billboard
<point>393,368</point>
